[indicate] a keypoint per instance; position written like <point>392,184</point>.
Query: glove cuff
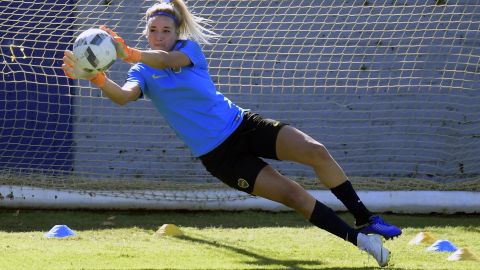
<point>99,80</point>
<point>134,56</point>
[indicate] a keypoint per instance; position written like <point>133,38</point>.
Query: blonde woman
<point>229,140</point>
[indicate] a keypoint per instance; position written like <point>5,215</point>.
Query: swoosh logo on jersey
<point>156,76</point>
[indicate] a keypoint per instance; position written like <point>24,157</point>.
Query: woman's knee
<point>317,154</point>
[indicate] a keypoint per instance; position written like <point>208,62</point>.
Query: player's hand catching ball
<point>124,52</point>
<point>72,71</point>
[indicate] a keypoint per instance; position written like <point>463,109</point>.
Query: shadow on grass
<point>255,259</point>
<point>33,220</point>
<point>261,260</point>
<point>43,220</point>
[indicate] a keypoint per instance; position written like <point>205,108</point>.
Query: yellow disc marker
<point>462,254</point>
<point>169,230</point>
<point>422,238</point>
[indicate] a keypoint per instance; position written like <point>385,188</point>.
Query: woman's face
<point>161,33</point>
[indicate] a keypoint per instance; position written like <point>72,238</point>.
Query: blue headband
<point>163,13</point>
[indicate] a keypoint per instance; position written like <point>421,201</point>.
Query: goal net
<point>390,87</point>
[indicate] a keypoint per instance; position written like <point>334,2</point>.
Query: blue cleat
<point>377,225</point>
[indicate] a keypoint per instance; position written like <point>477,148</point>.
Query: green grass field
<point>215,240</point>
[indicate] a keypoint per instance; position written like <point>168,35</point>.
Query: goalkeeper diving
<point>231,142</point>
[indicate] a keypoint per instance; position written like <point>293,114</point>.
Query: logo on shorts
<point>242,183</point>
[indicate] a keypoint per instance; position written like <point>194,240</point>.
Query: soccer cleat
<point>372,244</point>
<point>377,225</point>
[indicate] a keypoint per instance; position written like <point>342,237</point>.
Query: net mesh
<point>390,87</point>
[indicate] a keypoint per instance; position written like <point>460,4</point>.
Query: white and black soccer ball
<point>94,50</point>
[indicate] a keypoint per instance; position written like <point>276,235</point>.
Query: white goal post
<point>392,88</point>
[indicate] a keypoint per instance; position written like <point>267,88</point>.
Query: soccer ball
<point>94,50</point>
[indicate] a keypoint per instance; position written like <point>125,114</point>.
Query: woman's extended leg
<point>271,185</point>
<point>294,145</point>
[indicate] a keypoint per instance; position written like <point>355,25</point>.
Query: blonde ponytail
<point>189,26</point>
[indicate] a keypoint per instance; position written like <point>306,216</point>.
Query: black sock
<point>324,218</point>
<point>348,196</point>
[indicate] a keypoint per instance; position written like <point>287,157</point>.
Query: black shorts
<point>236,161</point>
